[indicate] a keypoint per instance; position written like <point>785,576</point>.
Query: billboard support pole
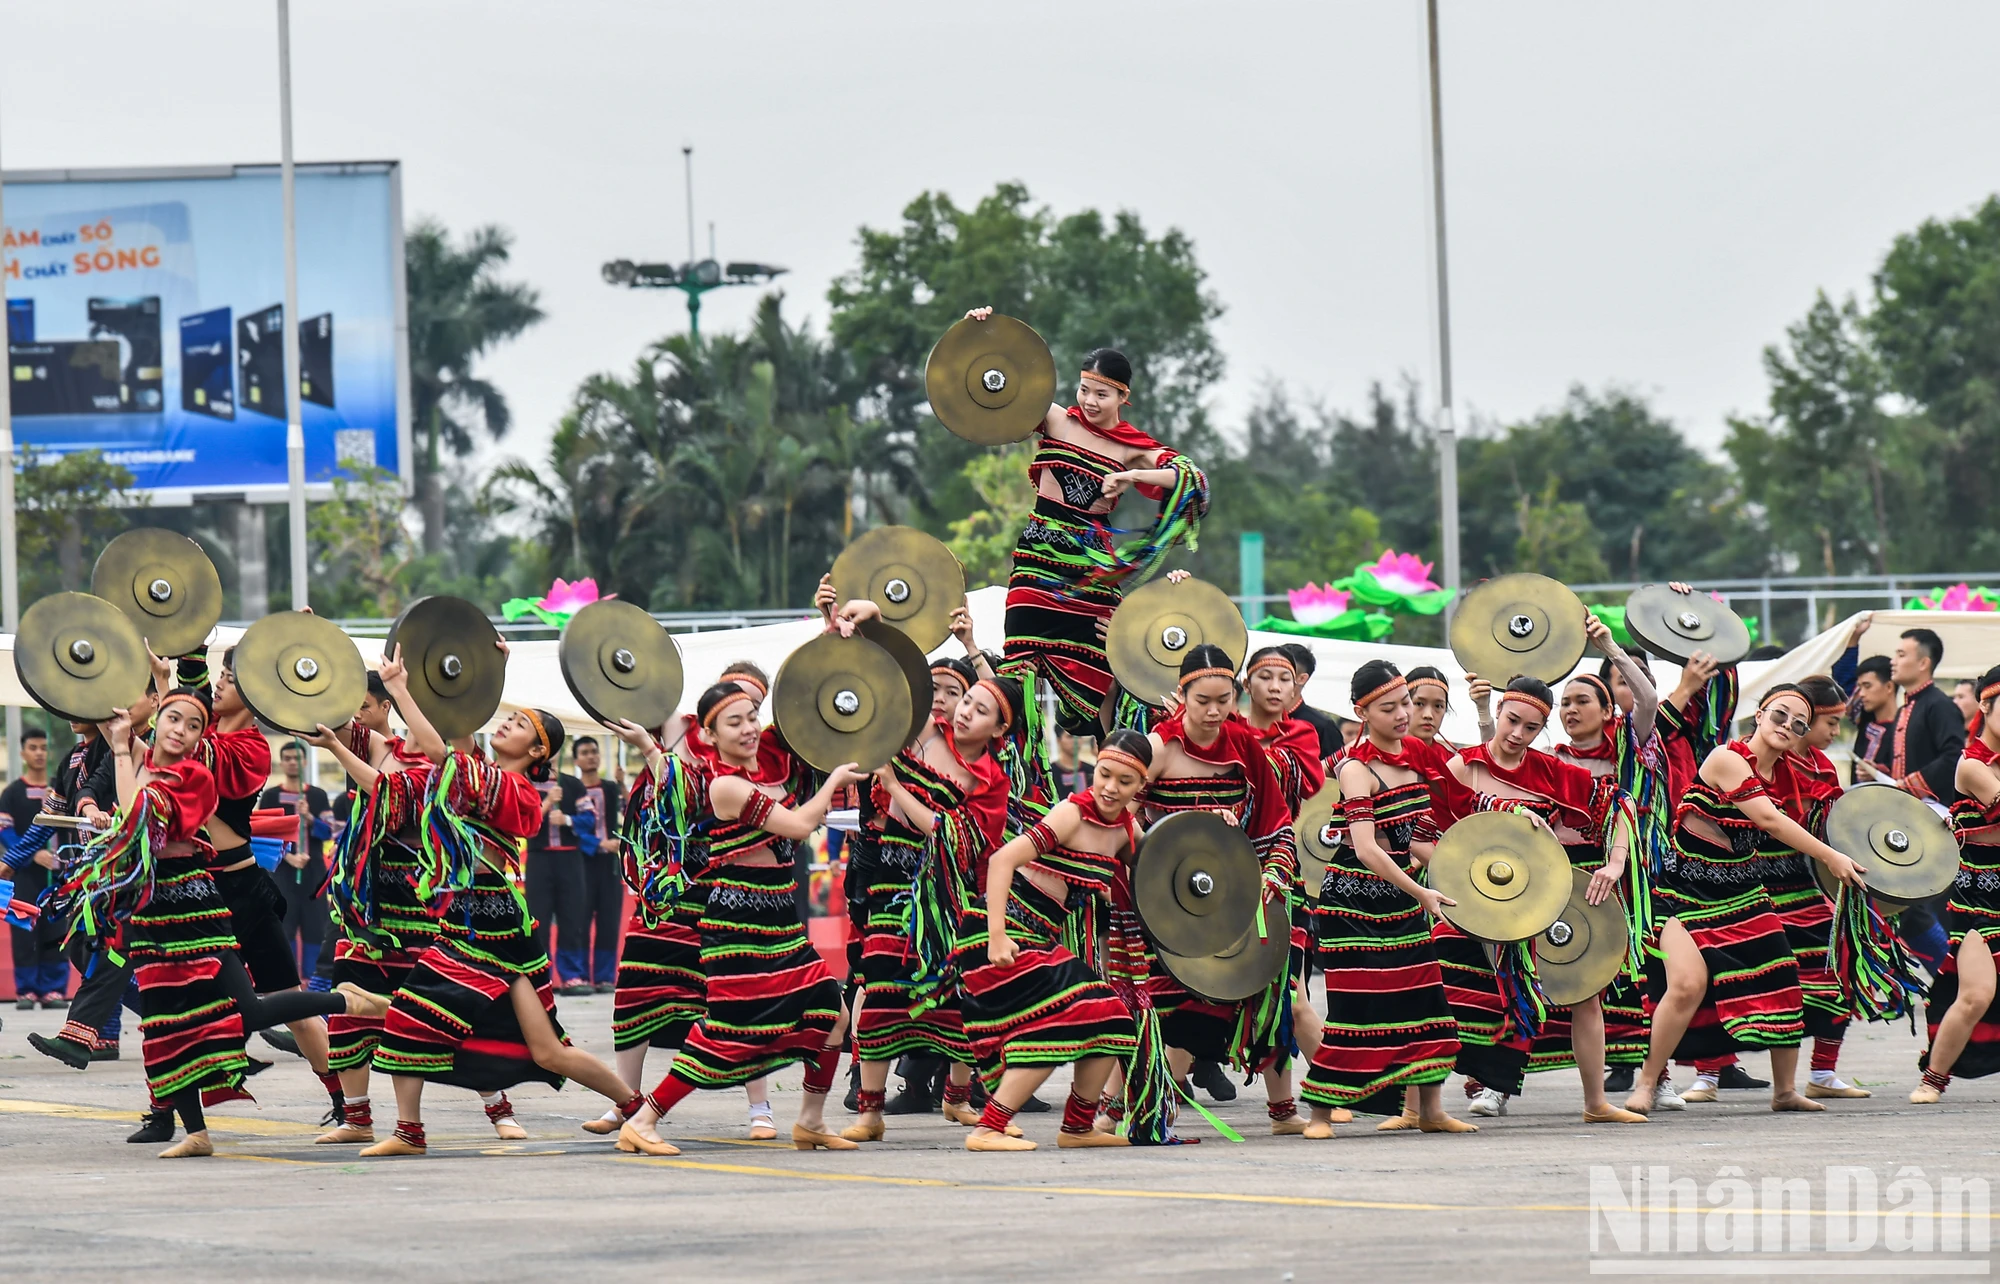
<point>1447,430</point>
<point>10,580</point>
<point>295,433</point>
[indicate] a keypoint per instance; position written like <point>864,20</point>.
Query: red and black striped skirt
<point>1049,1008</point>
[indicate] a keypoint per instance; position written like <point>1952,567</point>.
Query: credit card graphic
<point>316,359</point>
<point>67,377</point>
<point>134,324</point>
<point>260,356</point>
<point>20,320</point>
<point>208,368</point>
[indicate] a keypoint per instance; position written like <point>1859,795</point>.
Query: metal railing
<point>528,629</point>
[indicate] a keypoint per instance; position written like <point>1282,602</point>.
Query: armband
<point>758,809</point>
<point>1043,836</point>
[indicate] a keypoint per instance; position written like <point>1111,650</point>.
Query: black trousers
<point>260,1012</point>
<point>257,917</point>
<point>603,913</point>
<point>555,895</point>
<point>103,988</point>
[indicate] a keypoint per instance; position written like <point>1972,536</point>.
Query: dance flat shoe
<point>864,1131</point>
<point>763,1129</point>
<point>961,1114</point>
<point>987,1139</point>
<point>1396,1123</point>
<point>1925,1095</point>
<point>1445,1123</point>
<point>393,1145</point>
<point>1313,1131</point>
<point>361,1003</point>
<point>1293,1127</point>
<point>193,1146</point>
<point>1613,1115</point>
<point>602,1126</point>
<point>804,1138</point>
<point>345,1135</point>
<point>633,1143</point>
<point>507,1130</point>
<point>1699,1094</point>
<point>1085,1140</point>
<point>1836,1089</point>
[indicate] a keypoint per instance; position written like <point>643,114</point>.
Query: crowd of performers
<point>995,928</point>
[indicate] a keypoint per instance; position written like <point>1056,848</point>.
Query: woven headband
<point>1988,692</point>
<point>1439,683</point>
<point>1522,697</point>
<point>1793,692</point>
<point>1210,672</point>
<point>756,689</point>
<point>708,723</point>
<point>1602,687</point>
<point>1119,755</point>
<point>1101,378</point>
<point>1275,660</point>
<point>1006,705</point>
<point>173,696</point>
<point>1389,688</point>
<point>541,732</point>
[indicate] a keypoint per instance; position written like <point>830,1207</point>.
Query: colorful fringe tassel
<point>1869,962</point>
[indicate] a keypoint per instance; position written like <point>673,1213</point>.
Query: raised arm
<point>1053,830</point>
<point>424,738</point>
<point>1645,699</point>
<point>733,797</point>
<point>364,773</point>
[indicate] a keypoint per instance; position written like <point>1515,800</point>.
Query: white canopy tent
<point>1972,644</point>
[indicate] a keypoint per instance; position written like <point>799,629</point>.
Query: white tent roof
<point>1972,644</point>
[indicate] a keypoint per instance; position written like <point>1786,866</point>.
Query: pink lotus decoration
<point>1959,597</point>
<point>1315,605</point>
<point>1402,573</point>
<point>557,605</point>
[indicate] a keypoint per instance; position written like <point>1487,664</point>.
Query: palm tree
<point>459,310</point>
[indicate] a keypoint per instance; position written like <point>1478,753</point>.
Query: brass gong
<point>1907,849</point>
<point>1315,846</point>
<point>456,672</point>
<point>1510,878</point>
<point>164,582</point>
<point>1676,625</point>
<point>915,666</point>
<point>620,663</point>
<point>1156,626</point>
<point>1519,625</point>
<point>1196,882</point>
<point>1243,969</point>
<point>991,381</point>
<point>911,575</point>
<point>1580,953</point>
<point>80,657</point>
<point>839,700</point>
<point>297,672</point>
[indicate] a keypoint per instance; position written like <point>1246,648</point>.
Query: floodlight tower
<point>693,278</point>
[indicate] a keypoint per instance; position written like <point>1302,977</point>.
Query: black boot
<point>1735,1076</point>
<point>1618,1079</point>
<point>1212,1079</point>
<point>155,1126</point>
<point>282,1040</point>
<point>69,1052</point>
<point>852,1101</point>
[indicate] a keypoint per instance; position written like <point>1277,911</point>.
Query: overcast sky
<point>1639,194</point>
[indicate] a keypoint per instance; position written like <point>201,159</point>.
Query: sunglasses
<point>1796,726</point>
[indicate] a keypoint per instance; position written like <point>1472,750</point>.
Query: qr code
<point>354,447</point>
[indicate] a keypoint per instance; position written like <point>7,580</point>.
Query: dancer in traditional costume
<point>770,999</point>
<point>384,926</point>
<point>478,1008</point>
<point>1068,573</point>
<point>1430,701</point>
<point>662,990</point>
<point>1031,1005</point>
<point>1206,757</point>
<point>941,806</point>
<point>1592,818</point>
<point>148,887</point>
<point>1722,973</point>
<point>85,785</point>
<point>1388,1024</point>
<point>1963,1028</point>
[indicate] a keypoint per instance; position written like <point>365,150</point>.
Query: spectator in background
<point>1966,696</point>
<point>1919,751</point>
<point>41,973</point>
<point>555,884</point>
<point>1073,771</point>
<point>1334,735</point>
<point>301,876</point>
<point>1873,709</point>
<point>603,871</point>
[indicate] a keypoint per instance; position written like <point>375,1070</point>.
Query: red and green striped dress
<point>1973,906</point>
<point>1717,892</point>
<point>1388,1022</point>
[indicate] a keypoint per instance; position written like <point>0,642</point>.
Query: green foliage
<point>66,506</point>
<point>984,538</point>
<point>1557,538</point>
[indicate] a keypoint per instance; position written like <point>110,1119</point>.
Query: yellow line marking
<point>270,1159</point>
<point>221,1123</point>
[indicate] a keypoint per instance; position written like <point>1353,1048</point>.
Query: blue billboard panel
<point>142,321</point>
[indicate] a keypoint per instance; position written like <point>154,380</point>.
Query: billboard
<point>145,318</point>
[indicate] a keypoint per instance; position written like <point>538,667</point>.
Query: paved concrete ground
<point>1509,1203</point>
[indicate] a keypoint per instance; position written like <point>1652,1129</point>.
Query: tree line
<point>729,473</point>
